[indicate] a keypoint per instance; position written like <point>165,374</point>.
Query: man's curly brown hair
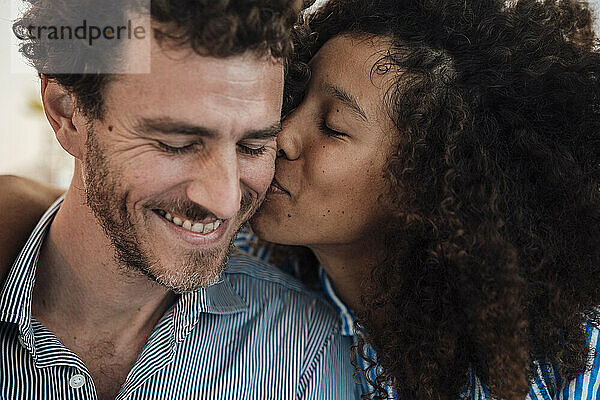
<point>216,28</point>
<point>494,254</point>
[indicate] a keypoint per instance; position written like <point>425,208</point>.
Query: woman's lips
<point>277,188</point>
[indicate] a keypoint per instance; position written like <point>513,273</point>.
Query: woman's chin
<point>263,226</point>
<point>269,229</point>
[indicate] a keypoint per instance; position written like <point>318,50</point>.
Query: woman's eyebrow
<point>346,98</point>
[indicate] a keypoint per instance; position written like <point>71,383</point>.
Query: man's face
<point>182,158</point>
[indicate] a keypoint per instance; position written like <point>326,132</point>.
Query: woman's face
<point>329,187</point>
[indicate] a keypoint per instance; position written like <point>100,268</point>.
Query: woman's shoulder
<point>546,382</point>
<point>586,385</point>
<point>22,202</point>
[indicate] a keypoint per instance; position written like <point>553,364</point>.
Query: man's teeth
<point>196,228</point>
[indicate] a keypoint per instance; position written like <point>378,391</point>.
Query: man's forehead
<point>234,94</point>
<point>175,65</point>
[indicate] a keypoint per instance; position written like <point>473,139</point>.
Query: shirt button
<point>77,381</point>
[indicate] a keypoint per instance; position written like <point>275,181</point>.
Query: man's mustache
<point>193,211</point>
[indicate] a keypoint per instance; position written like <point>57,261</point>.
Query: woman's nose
<point>288,140</point>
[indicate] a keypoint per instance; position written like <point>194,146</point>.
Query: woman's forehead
<point>348,64</point>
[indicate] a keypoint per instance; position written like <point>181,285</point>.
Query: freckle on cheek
<point>110,128</point>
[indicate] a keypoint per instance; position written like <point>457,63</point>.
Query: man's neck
<point>82,290</point>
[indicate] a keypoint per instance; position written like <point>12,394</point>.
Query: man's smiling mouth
<point>206,226</point>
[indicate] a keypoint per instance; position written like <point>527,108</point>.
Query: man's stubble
<point>133,252</point>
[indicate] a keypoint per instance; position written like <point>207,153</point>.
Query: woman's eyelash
<point>328,131</point>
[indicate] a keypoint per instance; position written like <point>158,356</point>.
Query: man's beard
<point>133,251</point>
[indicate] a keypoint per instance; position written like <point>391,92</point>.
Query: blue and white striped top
<point>546,385</point>
<point>258,334</point>
<point>247,242</point>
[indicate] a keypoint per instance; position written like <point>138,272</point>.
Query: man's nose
<point>216,186</point>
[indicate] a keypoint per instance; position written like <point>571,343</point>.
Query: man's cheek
<point>257,173</point>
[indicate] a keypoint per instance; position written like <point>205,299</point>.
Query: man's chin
<point>189,270</point>
<point>179,260</point>
<point>188,286</point>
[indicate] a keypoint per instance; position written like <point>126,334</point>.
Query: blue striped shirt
<point>257,334</point>
<point>247,242</point>
<point>546,384</point>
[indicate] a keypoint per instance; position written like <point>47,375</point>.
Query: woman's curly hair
<point>494,255</point>
<point>216,28</point>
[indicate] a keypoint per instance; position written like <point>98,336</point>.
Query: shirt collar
<point>16,293</point>
<point>15,296</point>
<point>220,298</point>
<point>346,315</point>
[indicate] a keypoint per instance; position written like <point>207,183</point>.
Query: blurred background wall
<point>27,144</point>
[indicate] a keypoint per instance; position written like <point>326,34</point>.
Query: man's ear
<point>59,109</point>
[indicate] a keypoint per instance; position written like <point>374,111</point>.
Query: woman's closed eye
<point>323,127</point>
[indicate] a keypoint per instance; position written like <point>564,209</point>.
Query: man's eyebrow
<point>169,126</point>
<point>346,98</point>
<point>266,133</point>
